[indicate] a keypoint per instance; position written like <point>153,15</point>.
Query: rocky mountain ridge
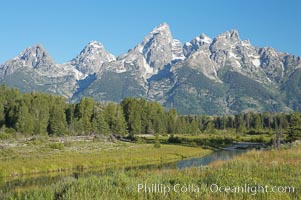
<point>222,75</point>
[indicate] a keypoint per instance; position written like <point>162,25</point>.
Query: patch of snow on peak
<point>140,48</point>
<point>188,44</point>
<point>177,50</point>
<point>256,62</point>
<point>161,28</point>
<point>246,43</point>
<point>149,71</point>
<point>205,39</point>
<point>78,74</point>
<point>69,69</point>
<point>232,55</point>
<point>95,44</point>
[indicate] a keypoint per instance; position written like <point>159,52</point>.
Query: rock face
<point>34,70</point>
<point>222,75</point>
<point>91,58</point>
<point>154,53</point>
<point>156,47</point>
<point>34,57</point>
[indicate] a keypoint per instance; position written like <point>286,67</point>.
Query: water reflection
<point>203,161</point>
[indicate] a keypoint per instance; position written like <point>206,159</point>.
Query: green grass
<point>271,168</point>
<point>35,157</point>
<point>219,139</point>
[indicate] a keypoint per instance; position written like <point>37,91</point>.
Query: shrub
<point>4,136</point>
<point>157,145</point>
<point>59,146</point>
<point>37,140</point>
<point>193,144</point>
<point>174,139</point>
<point>140,140</point>
<point>157,142</point>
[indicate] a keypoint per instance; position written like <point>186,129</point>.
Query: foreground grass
<point>278,168</point>
<point>40,157</point>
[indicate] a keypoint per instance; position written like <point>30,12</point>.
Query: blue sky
<point>64,27</point>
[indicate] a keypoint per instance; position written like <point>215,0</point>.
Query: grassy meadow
<point>118,168</point>
<point>42,156</point>
<point>271,168</point>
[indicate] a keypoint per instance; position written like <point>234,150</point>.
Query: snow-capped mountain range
<point>222,75</point>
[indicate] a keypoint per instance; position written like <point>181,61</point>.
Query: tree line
<point>45,114</point>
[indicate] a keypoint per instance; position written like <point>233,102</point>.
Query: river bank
<point>272,168</point>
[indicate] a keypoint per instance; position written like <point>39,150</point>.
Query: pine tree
<point>40,113</point>
<point>194,127</point>
<point>239,123</point>
<point>99,123</point>
<point>159,119</point>
<point>132,111</point>
<point>57,119</point>
<point>172,121</point>
<point>278,132</point>
<point>12,98</point>
<point>295,126</point>
<point>2,116</point>
<point>84,113</point>
<point>115,119</point>
<point>25,122</point>
<point>256,123</point>
<point>210,127</point>
<point>2,100</point>
<point>224,122</point>
<point>119,125</point>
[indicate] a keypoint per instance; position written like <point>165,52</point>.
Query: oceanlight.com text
<point>253,190</point>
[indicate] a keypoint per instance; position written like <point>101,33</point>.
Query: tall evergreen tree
<point>256,122</point>
<point>115,118</point>
<point>132,110</point>
<point>119,125</point>
<point>84,113</point>
<point>40,113</point>
<point>25,121</point>
<point>172,119</point>
<point>2,116</point>
<point>99,123</point>
<point>295,127</point>
<point>239,123</point>
<point>57,118</point>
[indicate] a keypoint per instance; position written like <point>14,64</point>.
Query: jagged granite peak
<point>225,52</point>
<point>205,39</point>
<point>291,62</point>
<point>196,43</point>
<point>229,35</point>
<point>91,58</point>
<point>34,69</point>
<point>271,63</point>
<point>177,50</point>
<point>201,61</point>
<point>132,62</point>
<point>33,57</point>
<point>161,28</point>
<point>159,32</point>
<point>198,54</point>
<point>224,75</point>
<point>159,47</point>
<point>225,40</point>
<point>154,53</point>
<point>227,49</point>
